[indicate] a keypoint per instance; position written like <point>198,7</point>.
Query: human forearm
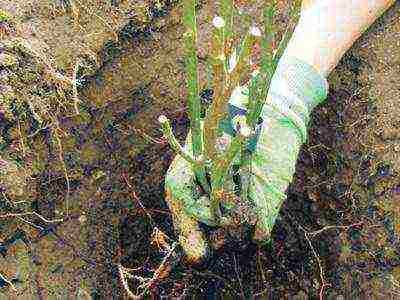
<point>327,29</point>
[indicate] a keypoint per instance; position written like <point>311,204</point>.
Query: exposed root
<point>14,215</point>
<point>146,283</point>
<point>12,286</point>
<point>307,235</point>
<point>61,158</point>
<point>324,284</point>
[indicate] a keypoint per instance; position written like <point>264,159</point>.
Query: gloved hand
<point>295,90</point>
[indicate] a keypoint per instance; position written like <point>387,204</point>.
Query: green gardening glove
<point>295,90</point>
<point>188,203</point>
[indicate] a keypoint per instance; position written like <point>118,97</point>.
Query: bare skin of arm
<point>327,29</point>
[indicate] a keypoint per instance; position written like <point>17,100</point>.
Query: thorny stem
<point>267,69</point>
<point>245,173</point>
<point>218,109</point>
<point>220,170</point>
<point>294,16</point>
<point>226,11</point>
<point>221,165</point>
<point>269,60</point>
<point>190,39</point>
<point>215,112</point>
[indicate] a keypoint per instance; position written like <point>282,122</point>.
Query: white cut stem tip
<point>218,22</point>
<point>232,61</point>
<point>162,119</point>
<point>255,31</point>
<point>245,131</point>
<point>221,57</point>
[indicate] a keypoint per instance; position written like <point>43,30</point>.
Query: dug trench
<point>346,181</point>
<point>338,234</point>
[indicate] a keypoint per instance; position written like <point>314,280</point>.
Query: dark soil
<point>348,175</point>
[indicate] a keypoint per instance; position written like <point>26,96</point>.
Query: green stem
<point>294,17</point>
<point>190,38</point>
<point>196,164</point>
<point>226,12</point>
<point>245,173</point>
<point>173,142</point>
<point>259,85</point>
<point>269,61</point>
<point>220,169</point>
<point>216,110</point>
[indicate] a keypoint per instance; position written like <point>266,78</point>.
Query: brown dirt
<point>347,174</point>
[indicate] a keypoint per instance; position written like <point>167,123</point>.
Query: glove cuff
<point>296,89</point>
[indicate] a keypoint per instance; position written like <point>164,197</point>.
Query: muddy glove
<point>295,90</point>
<point>188,202</point>
<point>187,207</point>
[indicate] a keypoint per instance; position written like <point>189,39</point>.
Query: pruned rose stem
<point>190,40</point>
<point>196,163</point>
